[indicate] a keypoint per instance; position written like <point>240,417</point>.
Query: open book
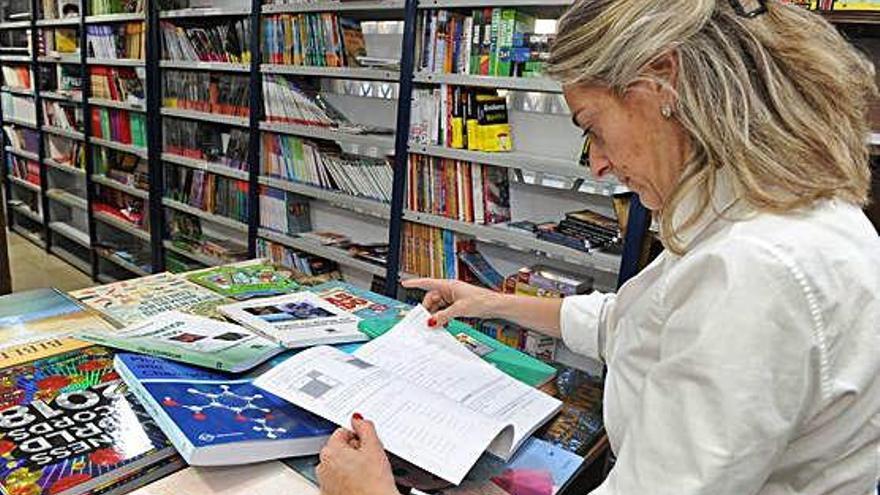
<point>434,403</point>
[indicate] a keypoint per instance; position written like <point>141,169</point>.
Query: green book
<point>105,125</point>
<point>521,366</point>
<point>247,280</point>
<point>138,130</point>
<point>512,21</point>
<point>191,339</point>
<point>493,41</point>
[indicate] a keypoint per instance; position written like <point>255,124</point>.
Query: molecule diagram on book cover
<point>245,408</point>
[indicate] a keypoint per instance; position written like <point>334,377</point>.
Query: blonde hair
<point>780,99</point>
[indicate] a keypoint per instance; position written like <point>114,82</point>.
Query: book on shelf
<point>59,9</point>
<point>474,119</point>
<point>206,141</point>
<point>73,425</point>
<point>215,419</point>
<point>371,252</point>
<point>417,372</point>
<point>186,233</point>
<point>247,280</point>
<point>361,303</point>
<point>122,205</point>
<point>296,320</point>
<point>208,192</point>
<point>122,167</point>
<point>316,269</point>
<point>265,478</point>
<point>132,301</point>
<point>219,41</point>
<point>327,238</point>
<point>21,108</point>
<point>284,211</point>
<point>107,7</point>
<point>190,339</point>
<point>41,314</point>
<point>121,126</point>
<point>227,94</point>
<point>314,39</point>
<point>431,252</point>
<point>24,169</point>
<point>63,115</point>
<point>65,151</point>
<point>17,77</point>
<point>58,42</point>
<point>123,84</point>
<point>482,269</point>
<point>22,139</point>
<point>117,41</point>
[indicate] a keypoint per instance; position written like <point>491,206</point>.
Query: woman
<point>744,360</point>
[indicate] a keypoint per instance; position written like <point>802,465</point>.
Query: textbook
<point>247,280</point>
<point>70,426</point>
<point>434,403</point>
<point>43,313</point>
<point>214,419</point>
<point>296,320</point>
<point>362,303</point>
<point>192,339</point>
<point>132,301</point>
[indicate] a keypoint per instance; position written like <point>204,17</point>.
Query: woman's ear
<point>663,71</point>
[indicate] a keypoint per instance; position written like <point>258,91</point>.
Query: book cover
<point>247,280</point>
<point>41,314</point>
<point>359,302</point>
<point>482,269</point>
<point>69,425</point>
<point>192,339</point>
<point>132,301</point>
<point>214,418</point>
<point>296,320</point>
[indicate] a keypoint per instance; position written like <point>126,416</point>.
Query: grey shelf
<point>122,225</point>
<point>122,262</point>
<point>537,84</point>
<point>67,21</point>
<point>201,258</point>
<point>116,62</point>
<point>211,217</point>
<point>15,58</point>
<point>356,204</point>
<point>121,105</point>
<point>197,12</point>
<point>512,239</point>
<point>336,254</point>
<point>68,199</point>
<point>372,145</point>
<point>15,25</point>
<point>31,236</point>
<point>23,183</point>
<point>16,121</point>
<point>64,168</point>
<point>332,72</point>
<point>52,95</point>
<point>72,233</point>
<point>23,154</point>
<point>64,132</point>
<point>72,259</point>
<point>325,6</point>
<point>17,91</point>
<point>130,190</point>
<point>199,65</point>
<point>214,168</point>
<point>27,213</point>
<point>72,59</point>
<point>99,19</point>
<point>206,116</point>
<point>134,150</point>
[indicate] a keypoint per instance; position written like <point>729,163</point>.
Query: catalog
<point>192,339</point>
<point>297,320</point>
<point>434,403</point>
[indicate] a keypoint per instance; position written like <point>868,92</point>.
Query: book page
<point>436,361</point>
<point>425,428</point>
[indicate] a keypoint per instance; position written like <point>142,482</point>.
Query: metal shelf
<point>199,65</point>
<point>121,262</point>
<point>121,105</point>
<point>329,6</point>
<point>64,168</point>
<point>206,116</point>
<point>336,254</point>
<point>130,190</point>
<point>15,25</point>
<point>214,168</point>
<point>537,84</point>
<point>332,72</point>
<point>23,154</point>
<point>98,19</point>
<point>372,145</point>
<point>67,21</point>
<point>197,12</point>
<point>211,217</point>
<point>31,236</point>
<point>23,183</point>
<point>116,62</point>
<point>71,232</point>
<point>17,91</point>
<point>72,259</point>
<point>520,242</point>
<point>122,225</point>
<point>356,204</point>
<point>201,258</point>
<point>52,95</point>
<point>23,123</point>
<point>64,132</point>
<point>852,16</point>
<point>27,213</point>
<point>134,150</point>
<point>68,199</point>
<point>72,59</point>
<point>453,4</point>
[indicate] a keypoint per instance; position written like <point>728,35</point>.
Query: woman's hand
<point>448,299</point>
<point>355,463</point>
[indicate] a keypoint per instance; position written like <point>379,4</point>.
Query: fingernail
<point>432,322</point>
<point>357,416</point>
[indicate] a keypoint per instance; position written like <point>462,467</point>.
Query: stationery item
<point>43,313</point>
<point>215,419</point>
<point>69,425</point>
<point>132,301</point>
<point>191,339</point>
<point>408,375</point>
<point>265,478</point>
<point>247,280</point>
<point>296,320</point>
<point>362,303</point>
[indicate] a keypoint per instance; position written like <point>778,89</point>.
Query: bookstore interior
<point>249,185</point>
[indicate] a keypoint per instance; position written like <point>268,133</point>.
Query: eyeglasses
<point>740,10</point>
<point>584,160</point>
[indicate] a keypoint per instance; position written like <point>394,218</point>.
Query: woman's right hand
<point>448,299</point>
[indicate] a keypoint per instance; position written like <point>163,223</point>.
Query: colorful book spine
<point>120,126</point>
<point>208,192</point>
<point>206,141</point>
<point>226,94</point>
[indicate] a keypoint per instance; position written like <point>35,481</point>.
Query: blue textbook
<point>213,418</point>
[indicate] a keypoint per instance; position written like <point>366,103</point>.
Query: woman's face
<point>631,138</point>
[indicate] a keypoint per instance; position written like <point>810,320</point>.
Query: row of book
<point>121,126</point>
<point>22,139</point>
<point>464,191</point>
<point>227,94</point>
<point>117,41</point>
<point>61,78</point>
<point>208,192</point>
<point>21,108</point>
<point>222,42</point>
<point>300,160</point>
<point>122,167</point>
<point>584,230</point>
<point>24,169</point>
<point>315,39</point>
<point>123,84</point>
<point>291,101</point>
<point>284,212</point>
<point>65,151</point>
<point>59,9</point>
<point>185,232</point>
<point>206,141</point>
<point>17,76</point>
<point>489,42</point>
<point>430,251</point>
<point>58,42</point>
<point>460,117</point>
<point>63,115</point>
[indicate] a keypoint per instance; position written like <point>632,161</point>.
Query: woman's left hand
<point>355,463</point>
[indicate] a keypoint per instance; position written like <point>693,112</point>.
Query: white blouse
<point>750,365</point>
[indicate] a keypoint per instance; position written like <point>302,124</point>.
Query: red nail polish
<point>357,416</point>
<point>432,322</point>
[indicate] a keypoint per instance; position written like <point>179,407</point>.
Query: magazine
<point>247,280</point>
<point>359,302</point>
<point>41,314</point>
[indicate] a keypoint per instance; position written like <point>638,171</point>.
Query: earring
<point>666,111</point>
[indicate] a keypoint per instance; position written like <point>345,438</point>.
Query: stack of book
<point>122,167</point>
<point>119,41</point>
<point>121,126</point>
<point>583,230</point>
<point>316,39</point>
<point>225,41</point>
<point>185,232</point>
<point>460,117</point>
<point>206,141</point>
<point>122,206</point>
<point>107,7</point>
<point>460,190</point>
<point>208,192</point>
<point>123,84</point>
<point>284,212</point>
<point>17,77</point>
<point>21,108</point>
<point>290,101</point>
<point>68,116</point>
<point>227,94</point>
<point>24,169</point>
